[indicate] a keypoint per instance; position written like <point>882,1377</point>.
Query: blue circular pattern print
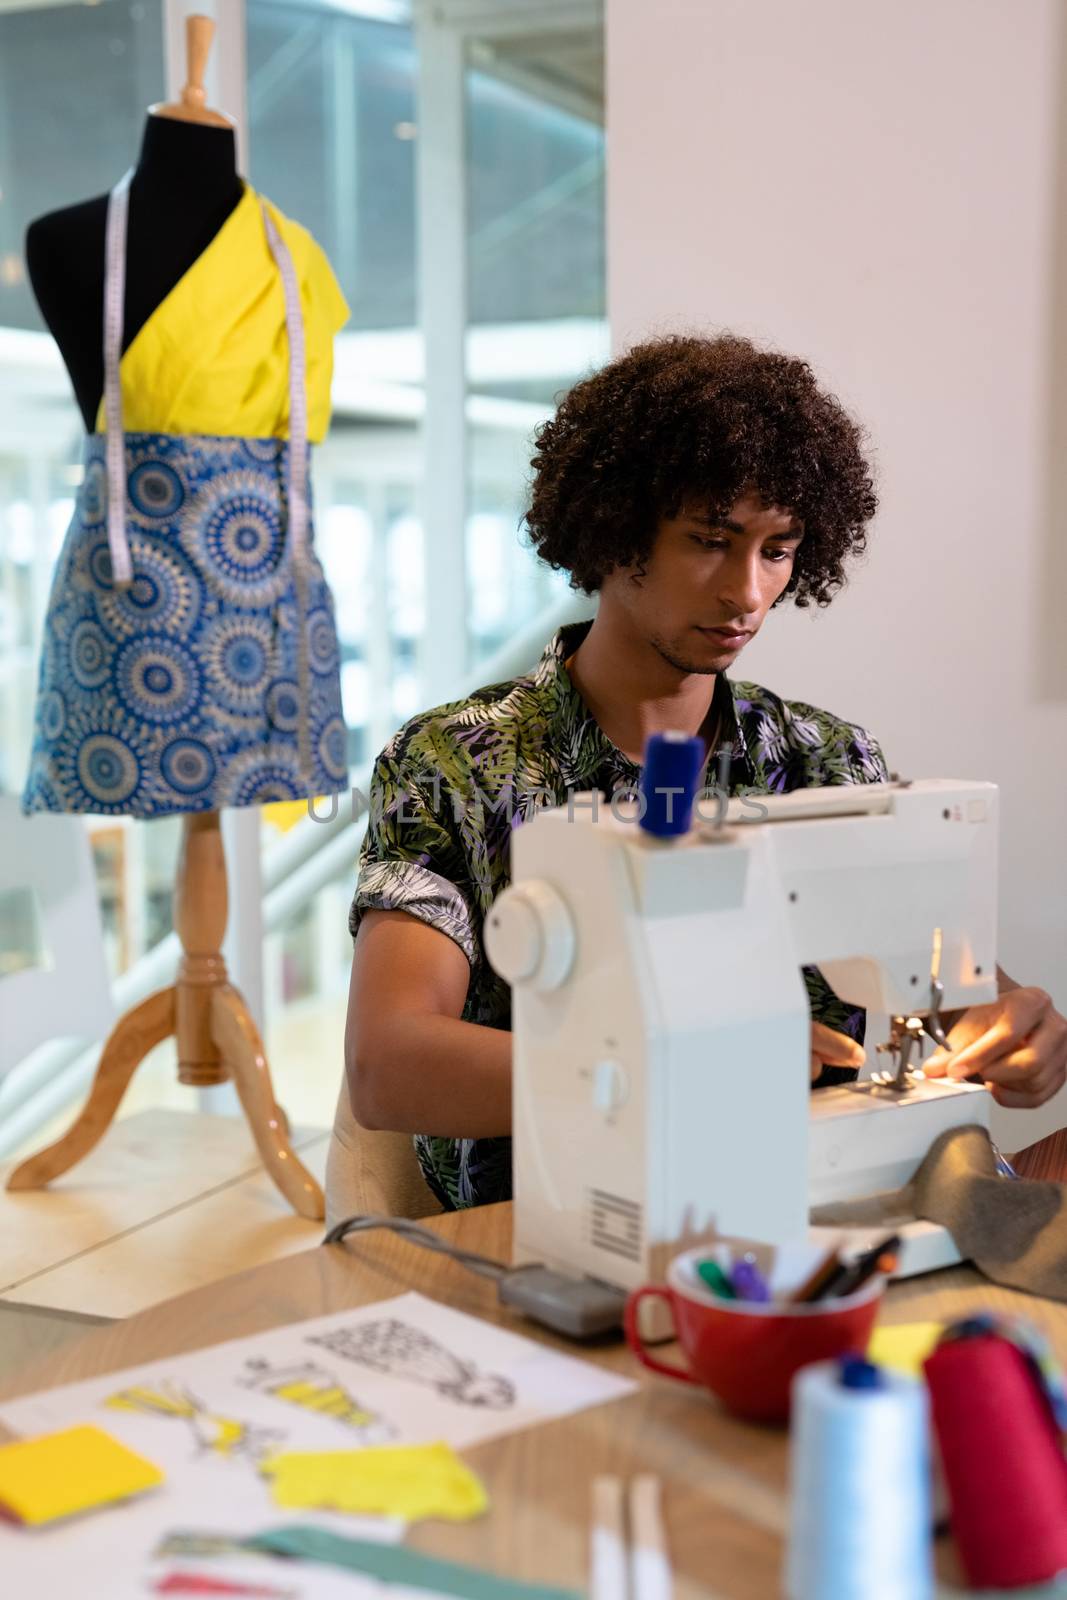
<point>98,560</point>
<point>188,766</point>
<point>92,501</point>
<point>270,451</point>
<point>263,774</point>
<point>107,768</point>
<point>182,692</point>
<point>333,748</point>
<point>90,655</point>
<point>233,533</point>
<point>53,714</point>
<point>102,761</point>
<point>155,489</point>
<point>283,705</point>
<point>158,680</point>
<point>164,595</point>
<point>322,642</point>
<point>238,654</point>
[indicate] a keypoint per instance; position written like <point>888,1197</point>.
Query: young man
<point>694,484</point>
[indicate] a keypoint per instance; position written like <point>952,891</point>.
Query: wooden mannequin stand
<point>217,1038</point>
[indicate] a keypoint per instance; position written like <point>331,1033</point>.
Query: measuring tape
<point>114,298</point>
<point>297,477</point>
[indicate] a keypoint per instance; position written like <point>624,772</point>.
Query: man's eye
<point>708,544</point>
<point>780,554</point>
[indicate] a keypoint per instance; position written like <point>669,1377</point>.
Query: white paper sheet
<point>404,1371</point>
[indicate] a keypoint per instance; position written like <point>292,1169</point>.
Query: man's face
<point>708,583</point>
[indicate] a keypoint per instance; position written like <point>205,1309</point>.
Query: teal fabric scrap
<point>391,1564</point>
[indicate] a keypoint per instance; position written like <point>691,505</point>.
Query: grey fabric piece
<point>1015,1231</point>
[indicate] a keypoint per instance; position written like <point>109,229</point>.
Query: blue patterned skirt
<point>182,692</point>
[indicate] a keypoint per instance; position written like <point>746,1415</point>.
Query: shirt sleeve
<point>411,859</point>
<point>866,759</point>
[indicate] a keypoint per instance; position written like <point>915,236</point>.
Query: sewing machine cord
<point>580,1308</point>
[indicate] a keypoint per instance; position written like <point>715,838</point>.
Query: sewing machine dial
<point>529,935</point>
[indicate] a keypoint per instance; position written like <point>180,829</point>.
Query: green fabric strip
<point>392,1564</point>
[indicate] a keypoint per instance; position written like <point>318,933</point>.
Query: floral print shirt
<point>449,787</point>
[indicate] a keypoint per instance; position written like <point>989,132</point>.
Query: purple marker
<point>747,1280</point>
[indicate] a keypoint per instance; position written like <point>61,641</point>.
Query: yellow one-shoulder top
<point>213,358</point>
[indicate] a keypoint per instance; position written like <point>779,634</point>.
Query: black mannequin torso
<point>183,189</point>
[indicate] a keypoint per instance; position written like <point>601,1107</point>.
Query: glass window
<point>75,82</point>
<point>334,140</point>
<point>532,170</point>
<point>331,99</point>
<point>536,290</point>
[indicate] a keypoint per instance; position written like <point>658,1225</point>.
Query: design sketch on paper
<point>214,1434</point>
<point>191,1545</point>
<point>404,1352</point>
<point>314,1389</point>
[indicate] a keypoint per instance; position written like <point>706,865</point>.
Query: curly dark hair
<point>683,419</point>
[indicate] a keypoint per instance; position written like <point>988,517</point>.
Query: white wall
<point>882,188</point>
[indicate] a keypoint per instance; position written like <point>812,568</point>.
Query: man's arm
<point>1017,1045</point>
<point>412,1065</point>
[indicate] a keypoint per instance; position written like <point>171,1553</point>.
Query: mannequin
<point>183,190</point>
<point>184,187</point>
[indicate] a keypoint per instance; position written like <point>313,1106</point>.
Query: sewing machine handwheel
<point>529,935</point>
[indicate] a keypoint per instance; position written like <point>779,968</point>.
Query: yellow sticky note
<point>409,1481</point>
<point>78,1469</point>
<point>905,1347</point>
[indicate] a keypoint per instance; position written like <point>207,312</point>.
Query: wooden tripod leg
<point>139,1031</point>
<point>237,1037</point>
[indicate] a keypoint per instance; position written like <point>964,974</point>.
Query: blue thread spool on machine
<point>670,781</point>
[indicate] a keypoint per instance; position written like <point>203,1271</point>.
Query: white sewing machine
<point>661,1028</point>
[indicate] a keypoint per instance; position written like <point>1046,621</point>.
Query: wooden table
<point>724,1481</point>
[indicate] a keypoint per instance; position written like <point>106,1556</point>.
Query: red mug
<point>747,1352</point>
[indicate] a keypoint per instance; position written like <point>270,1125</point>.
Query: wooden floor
<point>167,1201</point>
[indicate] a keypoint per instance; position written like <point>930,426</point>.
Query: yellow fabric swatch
<point>78,1469</point>
<point>905,1347</point>
<point>213,358</point>
<point>409,1481</point>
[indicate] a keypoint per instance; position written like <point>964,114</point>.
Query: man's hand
<point>832,1049</point>
<point>1017,1044</point>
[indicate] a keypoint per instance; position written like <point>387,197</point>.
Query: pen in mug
<point>747,1280</point>
<point>817,1281</point>
<point>855,1273</point>
<point>715,1279</point>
